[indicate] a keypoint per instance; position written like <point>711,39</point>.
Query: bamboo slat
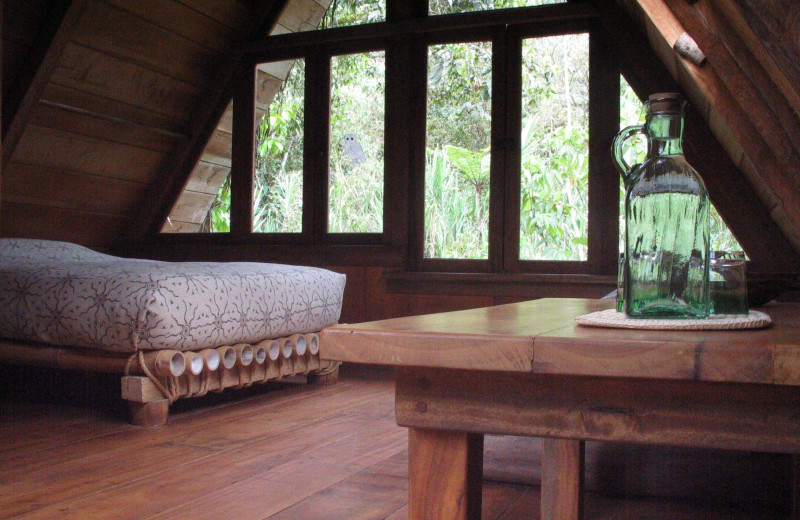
<point>160,377</point>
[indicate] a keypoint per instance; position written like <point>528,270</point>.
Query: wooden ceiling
<point>108,105</point>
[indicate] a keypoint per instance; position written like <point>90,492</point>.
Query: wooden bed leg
<point>324,376</point>
<point>147,406</point>
<point>149,414</point>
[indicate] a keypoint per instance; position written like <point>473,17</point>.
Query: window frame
<point>405,43</point>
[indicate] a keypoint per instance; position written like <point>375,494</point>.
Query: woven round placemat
<point>612,318</point>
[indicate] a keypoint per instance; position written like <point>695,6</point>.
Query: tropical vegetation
<point>554,145</point>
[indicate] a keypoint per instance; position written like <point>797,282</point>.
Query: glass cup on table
<point>727,280</point>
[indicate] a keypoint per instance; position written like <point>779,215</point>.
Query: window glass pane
<point>354,12</point>
<point>554,198</point>
<point>463,6</point>
<point>278,176</point>
<point>458,151</point>
<point>632,113</point>
<point>356,143</point>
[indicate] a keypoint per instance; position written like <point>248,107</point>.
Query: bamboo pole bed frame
<point>152,380</point>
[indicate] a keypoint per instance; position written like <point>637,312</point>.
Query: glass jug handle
<point>619,142</point>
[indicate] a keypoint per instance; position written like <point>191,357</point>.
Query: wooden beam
<point>544,15</point>
<point>157,205</point>
<point>748,82</point>
<point>562,479</point>
<point>767,28</point>
<point>22,98</point>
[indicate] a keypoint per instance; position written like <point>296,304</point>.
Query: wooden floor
<point>292,451</point>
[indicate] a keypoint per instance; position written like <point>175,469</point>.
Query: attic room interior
<point>362,232</point>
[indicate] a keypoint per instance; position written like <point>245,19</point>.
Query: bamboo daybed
<point>171,329</point>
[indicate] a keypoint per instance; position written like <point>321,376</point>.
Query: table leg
<point>445,470</point>
<point>562,479</point>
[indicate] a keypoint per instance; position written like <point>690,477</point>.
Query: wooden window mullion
<point>243,153</point>
<point>513,130</point>
<point>499,150</point>
<point>315,151</point>
<point>603,177</point>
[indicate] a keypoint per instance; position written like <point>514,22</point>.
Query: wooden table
<point>529,369</point>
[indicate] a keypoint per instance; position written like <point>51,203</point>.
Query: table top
<point>541,336</point>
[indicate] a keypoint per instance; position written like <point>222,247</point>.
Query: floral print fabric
<point>66,294</point>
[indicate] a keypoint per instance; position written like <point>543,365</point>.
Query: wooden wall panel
<point>770,29</point>
<point>218,149</point>
<point>174,226</point>
<point>185,21</point>
<point>20,37</point>
<point>72,152</point>
<point>303,15</point>
<point>192,206</point>
<point>115,110</point>
<point>106,76</point>
<point>207,178</point>
<point>231,13</point>
<point>42,186</point>
<point>102,128</point>
<point>117,33</point>
<point>95,230</point>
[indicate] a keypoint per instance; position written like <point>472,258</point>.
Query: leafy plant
<point>553,144</point>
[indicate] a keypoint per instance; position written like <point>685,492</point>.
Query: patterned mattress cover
<point>65,294</point>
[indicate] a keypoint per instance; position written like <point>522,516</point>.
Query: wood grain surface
<point>541,336</point>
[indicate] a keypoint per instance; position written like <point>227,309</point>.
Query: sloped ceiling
<point>109,104</point>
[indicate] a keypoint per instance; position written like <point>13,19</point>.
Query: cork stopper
<point>666,103</point>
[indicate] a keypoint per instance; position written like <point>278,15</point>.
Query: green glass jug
<point>666,220</point>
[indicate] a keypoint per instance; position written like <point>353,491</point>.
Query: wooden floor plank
<point>291,452</point>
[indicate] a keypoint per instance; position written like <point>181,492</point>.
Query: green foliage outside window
<point>554,174</point>
<point>278,176</point>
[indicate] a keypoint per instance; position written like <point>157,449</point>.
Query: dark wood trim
<point>762,103</point>
<point>512,149</point>
<point>54,20</point>
<point>506,285</point>
<point>406,9</point>
<point>397,131</point>
<point>604,92</point>
<point>500,143</point>
<point>418,85</point>
<point>315,150</point>
<point>223,247</point>
<point>243,153</point>
<point>431,25</point>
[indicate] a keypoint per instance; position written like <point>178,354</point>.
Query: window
<point>355,173</point>
<point>458,151</point>
<point>463,145</point>
<point>278,165</point>
<point>554,185</point>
